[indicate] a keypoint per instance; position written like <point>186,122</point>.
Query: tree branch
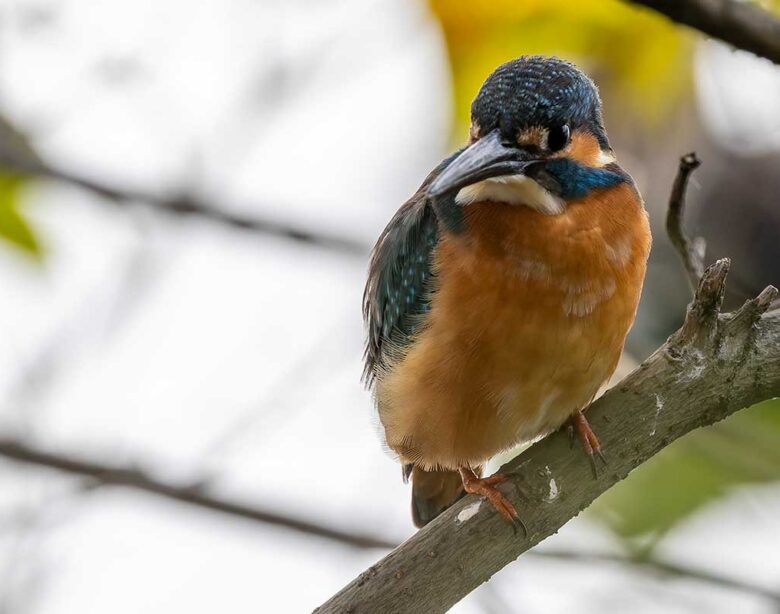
<point>715,365</point>
<point>691,252</point>
<point>14,159</point>
<point>741,24</point>
<point>660,568</point>
<point>129,477</point>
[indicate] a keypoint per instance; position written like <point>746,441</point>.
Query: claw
<point>593,467</point>
<point>486,487</point>
<point>519,524</point>
<point>590,443</point>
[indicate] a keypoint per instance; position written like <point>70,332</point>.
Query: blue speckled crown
<point>538,91</point>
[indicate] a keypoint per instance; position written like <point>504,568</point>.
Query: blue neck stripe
<point>577,181</point>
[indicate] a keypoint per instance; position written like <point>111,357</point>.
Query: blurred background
<point>189,196</point>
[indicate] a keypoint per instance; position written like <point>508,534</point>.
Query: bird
<point>499,296</point>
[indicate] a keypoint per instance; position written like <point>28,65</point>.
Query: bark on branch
<point>713,366</point>
<point>741,24</point>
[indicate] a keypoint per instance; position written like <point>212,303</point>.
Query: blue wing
<point>400,279</point>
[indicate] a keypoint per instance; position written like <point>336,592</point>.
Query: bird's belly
<point>462,396</point>
<point>506,356</point>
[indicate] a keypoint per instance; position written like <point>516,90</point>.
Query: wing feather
<point>400,282</point>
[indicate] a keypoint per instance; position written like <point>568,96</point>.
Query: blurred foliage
<point>636,56</point>
<point>13,226</point>
<point>694,471</point>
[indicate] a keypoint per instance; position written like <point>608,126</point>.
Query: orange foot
<point>590,443</point>
<point>474,485</point>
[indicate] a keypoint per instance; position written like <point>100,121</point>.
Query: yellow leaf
<point>640,60</point>
<point>13,227</point>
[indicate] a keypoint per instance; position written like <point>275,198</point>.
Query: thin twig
<point>129,477</point>
<point>182,205</point>
<point>101,474</point>
<point>691,252</point>
<point>662,568</point>
<point>741,24</point>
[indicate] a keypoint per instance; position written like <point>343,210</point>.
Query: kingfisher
<point>499,296</point>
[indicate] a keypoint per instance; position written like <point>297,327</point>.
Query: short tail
<point>432,493</point>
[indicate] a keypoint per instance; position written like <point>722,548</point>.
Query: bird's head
<point>537,139</point>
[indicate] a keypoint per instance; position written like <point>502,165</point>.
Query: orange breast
<point>529,319</point>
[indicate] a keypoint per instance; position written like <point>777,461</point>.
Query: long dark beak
<point>487,157</point>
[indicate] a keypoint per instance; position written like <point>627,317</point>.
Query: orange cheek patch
<point>585,149</point>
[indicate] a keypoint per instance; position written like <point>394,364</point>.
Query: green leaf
<point>700,468</point>
<point>14,228</point>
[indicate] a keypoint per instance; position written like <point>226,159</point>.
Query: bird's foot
<point>486,487</point>
<point>590,443</point>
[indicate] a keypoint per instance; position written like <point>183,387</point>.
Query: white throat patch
<point>512,190</point>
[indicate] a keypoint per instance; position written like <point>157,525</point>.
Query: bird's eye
<point>558,137</point>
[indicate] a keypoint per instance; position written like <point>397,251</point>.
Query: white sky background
<point>205,350</point>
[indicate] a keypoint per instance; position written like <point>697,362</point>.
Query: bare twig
<point>100,474</point>
<point>129,477</point>
<point>181,205</point>
<point>661,568</point>
<point>691,252</point>
<point>741,24</point>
